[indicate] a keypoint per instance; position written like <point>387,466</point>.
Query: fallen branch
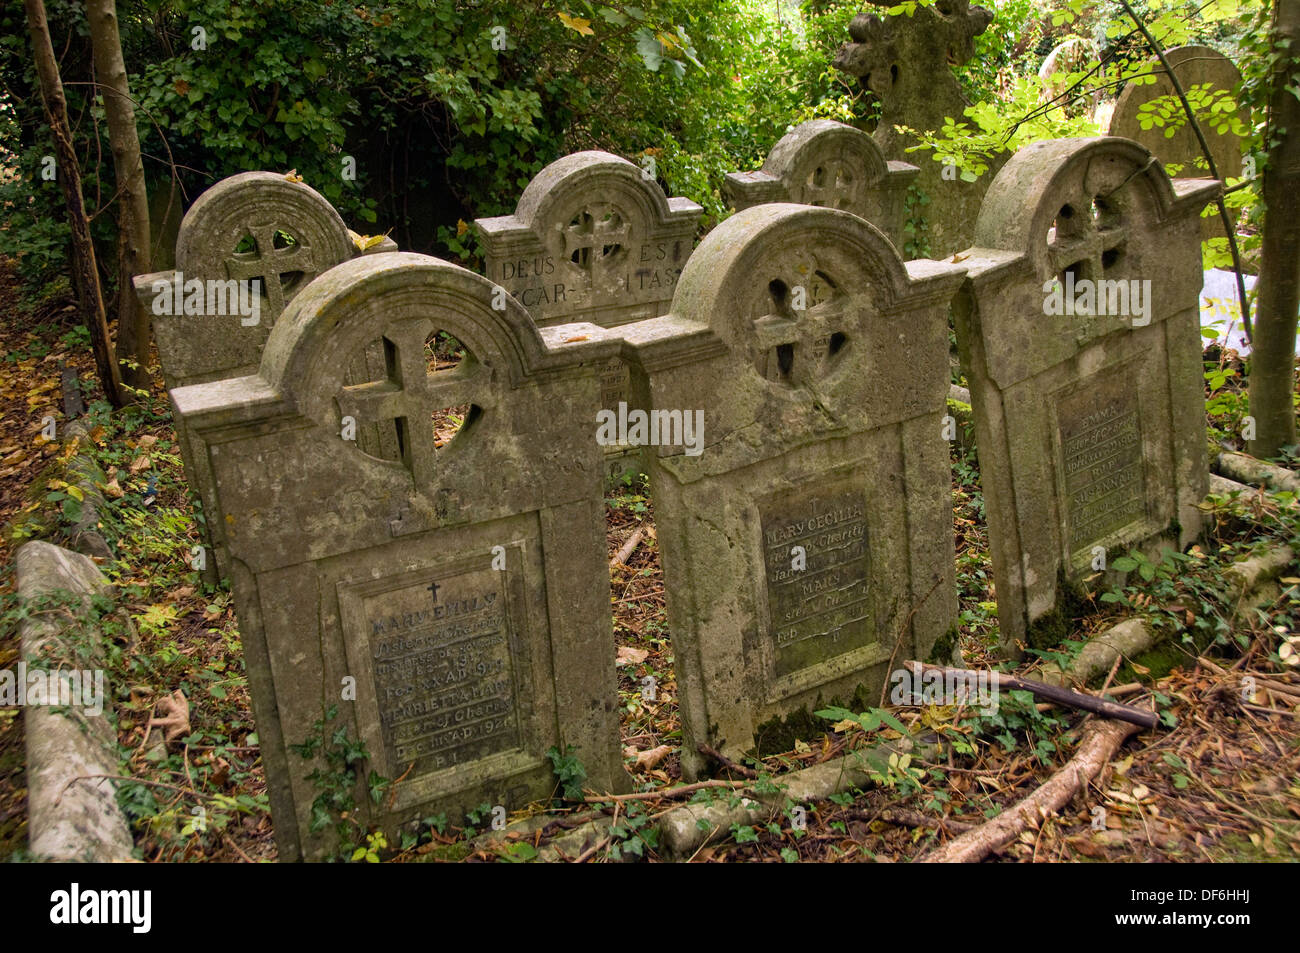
<point>665,794</point>
<point>626,550</point>
<point>1061,696</point>
<point>726,762</point>
<point>904,818</point>
<point>1101,740</point>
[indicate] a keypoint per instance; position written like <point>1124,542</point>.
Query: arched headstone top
<point>1084,198</point>
<point>574,178</point>
<point>261,225</point>
<point>829,164</point>
<point>1202,71</point>
<point>401,298</point>
<point>594,238</point>
<point>823,162</point>
<point>795,291</point>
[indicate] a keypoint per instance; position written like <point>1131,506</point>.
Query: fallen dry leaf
<point>627,655</point>
<point>175,716</point>
<point>650,759</point>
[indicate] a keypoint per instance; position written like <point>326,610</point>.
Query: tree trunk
<point>1272,365</point>
<point>84,274</point>
<point>133,218</point>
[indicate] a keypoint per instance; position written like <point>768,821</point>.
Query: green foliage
<point>634,834</point>
<point>869,720</point>
<point>339,771</point>
<point>1017,720</point>
<point>569,772</point>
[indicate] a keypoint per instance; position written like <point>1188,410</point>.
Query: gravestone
<point>1090,416</point>
<point>1200,71</point>
<point>593,238</point>
<point>458,590</point>
<point>818,363</point>
<point>255,226</point>
<point>830,164</point>
<point>906,61</point>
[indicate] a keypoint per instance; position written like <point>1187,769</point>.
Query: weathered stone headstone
<point>906,61</point>
<point>830,164</point>
<point>449,602</point>
<point>257,227</point>
<point>252,226</point>
<point>593,238</point>
<point>1079,330</point>
<point>809,538</point>
<point>1200,71</point>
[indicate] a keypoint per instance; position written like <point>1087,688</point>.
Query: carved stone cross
<point>270,264</point>
<point>1088,232</point>
<point>409,395</point>
<point>831,185</point>
<point>799,348</point>
<point>599,232</point>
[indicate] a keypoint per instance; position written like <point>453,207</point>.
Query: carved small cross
<point>409,395</point>
<point>597,233</point>
<point>798,348</point>
<point>831,185</point>
<point>1087,235</point>
<point>270,264</point>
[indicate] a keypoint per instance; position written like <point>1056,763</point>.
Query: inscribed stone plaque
<point>1101,462</point>
<point>444,680</point>
<point>821,610</point>
<point>1090,420</point>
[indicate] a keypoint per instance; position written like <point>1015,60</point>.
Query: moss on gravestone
<point>942,651</point>
<point>1052,628</point>
<point>779,734</point>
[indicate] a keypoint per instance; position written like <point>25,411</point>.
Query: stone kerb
<point>1078,328</point>
<point>347,565</point>
<point>830,164</point>
<point>817,361</point>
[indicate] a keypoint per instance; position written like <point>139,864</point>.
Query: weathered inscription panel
<point>647,273</point>
<point>444,682</point>
<point>615,384</point>
<point>822,609</point>
<point>1101,450</point>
